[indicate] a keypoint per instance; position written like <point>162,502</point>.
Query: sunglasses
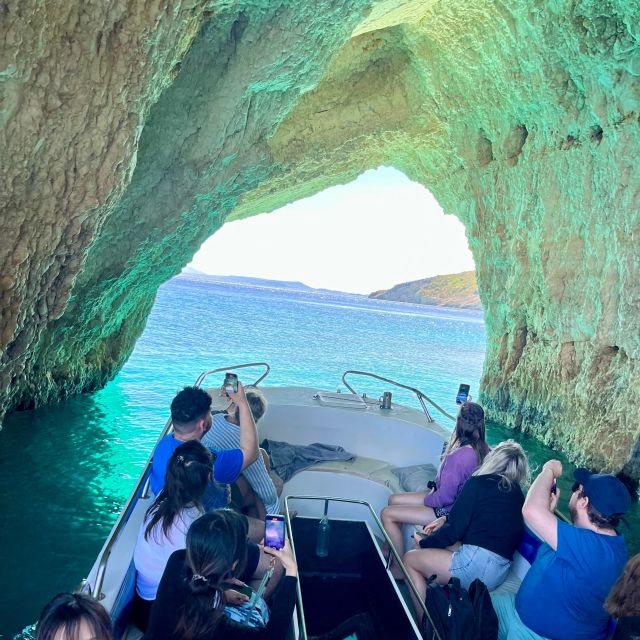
<point>575,487</point>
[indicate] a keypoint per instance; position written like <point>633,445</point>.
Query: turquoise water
<point>66,470</point>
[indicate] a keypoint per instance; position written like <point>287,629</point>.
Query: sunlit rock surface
<point>131,130</point>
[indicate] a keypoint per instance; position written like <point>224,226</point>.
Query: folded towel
<point>288,459</point>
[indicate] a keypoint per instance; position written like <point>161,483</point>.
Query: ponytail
<point>187,477</point>
<point>216,548</point>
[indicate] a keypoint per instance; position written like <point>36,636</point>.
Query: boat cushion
<point>369,468</point>
<point>416,477</point>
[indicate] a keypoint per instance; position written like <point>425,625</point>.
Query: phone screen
<point>231,380</point>
<point>463,393</point>
<point>274,531</point>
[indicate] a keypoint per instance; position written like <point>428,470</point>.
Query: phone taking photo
<point>230,380</point>
<point>274,531</point>
<point>463,393</point>
<point>244,589</point>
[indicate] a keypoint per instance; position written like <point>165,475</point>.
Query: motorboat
<point>385,437</point>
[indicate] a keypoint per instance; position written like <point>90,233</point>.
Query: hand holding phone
<point>274,531</point>
<point>239,587</point>
<point>463,394</point>
<point>230,383</point>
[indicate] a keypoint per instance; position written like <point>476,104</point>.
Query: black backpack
<point>457,614</point>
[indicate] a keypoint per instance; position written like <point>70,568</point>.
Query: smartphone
<point>274,531</point>
<point>554,488</point>
<point>230,380</point>
<point>244,589</point>
<point>463,393</point>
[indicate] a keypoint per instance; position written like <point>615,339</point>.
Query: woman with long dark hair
<point>167,521</point>
<point>74,616</point>
<point>464,453</point>
<point>190,599</point>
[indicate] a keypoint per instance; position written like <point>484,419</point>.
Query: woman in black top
<point>189,603</point>
<point>486,520</point>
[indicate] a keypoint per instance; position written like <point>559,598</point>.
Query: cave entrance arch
<point>522,123</point>
<point>377,232</point>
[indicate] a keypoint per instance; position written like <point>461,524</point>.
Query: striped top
<point>225,435</point>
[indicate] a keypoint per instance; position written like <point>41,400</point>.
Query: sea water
<point>67,469</point>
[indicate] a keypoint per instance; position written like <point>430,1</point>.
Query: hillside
<point>451,290</point>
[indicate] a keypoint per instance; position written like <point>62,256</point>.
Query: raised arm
<point>540,504</point>
<point>248,431</point>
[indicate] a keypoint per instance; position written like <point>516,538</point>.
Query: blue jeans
<point>471,562</point>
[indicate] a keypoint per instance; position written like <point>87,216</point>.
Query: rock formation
<point>131,130</point>
<point>451,290</point>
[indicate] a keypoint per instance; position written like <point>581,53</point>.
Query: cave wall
<point>521,118</point>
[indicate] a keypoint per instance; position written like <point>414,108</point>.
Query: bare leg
<point>250,505</point>
<point>422,564</point>
<point>412,511</point>
<point>263,566</point>
<point>256,530</point>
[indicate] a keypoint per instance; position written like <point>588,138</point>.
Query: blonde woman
<point>486,520</point>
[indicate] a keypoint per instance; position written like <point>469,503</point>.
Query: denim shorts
<point>471,562</point>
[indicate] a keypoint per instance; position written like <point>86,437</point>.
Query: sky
<point>373,233</point>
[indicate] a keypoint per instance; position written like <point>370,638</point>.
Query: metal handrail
<point>392,551</point>
<point>143,489</point>
<point>202,376</point>
<point>421,396</point>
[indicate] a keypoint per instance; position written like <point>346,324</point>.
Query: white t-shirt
<point>152,553</point>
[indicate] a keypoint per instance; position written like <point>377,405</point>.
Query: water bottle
<point>322,544</point>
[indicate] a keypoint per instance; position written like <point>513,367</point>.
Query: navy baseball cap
<point>605,492</point>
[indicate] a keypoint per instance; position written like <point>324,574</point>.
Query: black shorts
<point>253,557</point>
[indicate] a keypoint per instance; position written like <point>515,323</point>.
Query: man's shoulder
<point>166,445</point>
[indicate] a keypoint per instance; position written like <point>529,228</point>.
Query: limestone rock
<point>135,128</point>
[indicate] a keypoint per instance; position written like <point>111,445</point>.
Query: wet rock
<point>135,129</point>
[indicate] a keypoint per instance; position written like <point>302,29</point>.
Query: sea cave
<point>132,130</point>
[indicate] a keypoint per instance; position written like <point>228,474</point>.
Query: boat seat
<point>527,551</point>
<point>368,468</point>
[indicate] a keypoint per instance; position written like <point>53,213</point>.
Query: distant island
<point>453,290</point>
<point>246,281</point>
<point>457,290</point>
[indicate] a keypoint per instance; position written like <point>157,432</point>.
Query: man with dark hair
<point>225,434</point>
<point>191,418</point>
<point>563,593</point>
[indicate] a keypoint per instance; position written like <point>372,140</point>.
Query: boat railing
<point>392,553</point>
<point>141,490</point>
<point>203,375</point>
<point>419,394</point>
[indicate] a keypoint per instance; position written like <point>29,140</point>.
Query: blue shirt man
<point>191,418</point>
<point>562,595</point>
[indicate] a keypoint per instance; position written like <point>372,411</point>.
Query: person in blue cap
<point>562,595</point>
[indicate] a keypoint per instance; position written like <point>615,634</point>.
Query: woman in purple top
<point>464,454</point>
